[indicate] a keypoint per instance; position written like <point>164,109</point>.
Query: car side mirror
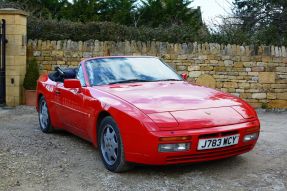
<point>184,76</point>
<point>72,83</point>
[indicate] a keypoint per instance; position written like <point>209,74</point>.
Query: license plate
<point>214,143</point>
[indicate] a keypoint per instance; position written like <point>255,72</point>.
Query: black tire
<point>108,136</point>
<point>44,121</point>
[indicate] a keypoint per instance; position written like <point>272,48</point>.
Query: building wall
<point>256,74</point>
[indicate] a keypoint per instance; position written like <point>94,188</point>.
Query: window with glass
<point>129,69</point>
<point>80,76</point>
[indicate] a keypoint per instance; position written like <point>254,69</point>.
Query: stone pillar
<point>16,34</point>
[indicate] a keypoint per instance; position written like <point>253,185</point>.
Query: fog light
<point>177,147</point>
<point>250,137</point>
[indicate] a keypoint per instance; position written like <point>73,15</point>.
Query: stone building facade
<point>256,74</point>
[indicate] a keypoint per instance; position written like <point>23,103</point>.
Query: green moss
<point>264,106</point>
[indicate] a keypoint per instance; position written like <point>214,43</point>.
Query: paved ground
<point>31,160</point>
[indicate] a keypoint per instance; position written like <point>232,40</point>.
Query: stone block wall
<point>256,74</point>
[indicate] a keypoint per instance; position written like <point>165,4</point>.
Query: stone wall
<point>256,74</point>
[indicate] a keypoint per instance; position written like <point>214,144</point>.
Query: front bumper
<point>148,153</point>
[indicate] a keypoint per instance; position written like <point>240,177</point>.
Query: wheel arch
<point>39,96</point>
<point>99,119</point>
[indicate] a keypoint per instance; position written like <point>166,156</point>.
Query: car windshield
<point>103,71</point>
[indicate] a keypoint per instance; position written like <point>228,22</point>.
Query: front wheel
<point>44,117</point>
<point>111,146</point>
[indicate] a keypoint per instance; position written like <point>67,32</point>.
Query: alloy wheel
<point>44,116</point>
<point>109,145</point>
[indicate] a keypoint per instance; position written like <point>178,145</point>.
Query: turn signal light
<point>252,129</point>
<point>181,138</point>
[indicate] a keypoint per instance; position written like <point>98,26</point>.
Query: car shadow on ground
<point>223,164</point>
<point>65,134</point>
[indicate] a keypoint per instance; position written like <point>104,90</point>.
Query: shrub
<point>32,75</point>
<point>107,31</point>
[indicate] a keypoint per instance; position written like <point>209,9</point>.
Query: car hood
<point>157,97</point>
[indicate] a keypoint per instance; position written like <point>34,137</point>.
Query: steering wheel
<point>60,72</point>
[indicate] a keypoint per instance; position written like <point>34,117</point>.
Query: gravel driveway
<point>31,160</point>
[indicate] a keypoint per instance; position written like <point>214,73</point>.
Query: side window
<point>80,76</point>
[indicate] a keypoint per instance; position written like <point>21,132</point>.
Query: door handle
<point>57,92</point>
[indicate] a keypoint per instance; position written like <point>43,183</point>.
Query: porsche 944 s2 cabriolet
<point>138,110</point>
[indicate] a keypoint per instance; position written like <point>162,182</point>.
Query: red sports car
<point>138,110</point>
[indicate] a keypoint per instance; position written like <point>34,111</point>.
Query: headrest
<point>70,73</point>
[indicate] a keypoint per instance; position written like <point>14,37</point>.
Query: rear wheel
<point>111,146</point>
<point>44,117</point>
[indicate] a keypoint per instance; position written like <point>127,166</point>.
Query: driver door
<point>72,111</point>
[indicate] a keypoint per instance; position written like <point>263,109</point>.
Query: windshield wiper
<point>168,80</point>
<point>129,81</point>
